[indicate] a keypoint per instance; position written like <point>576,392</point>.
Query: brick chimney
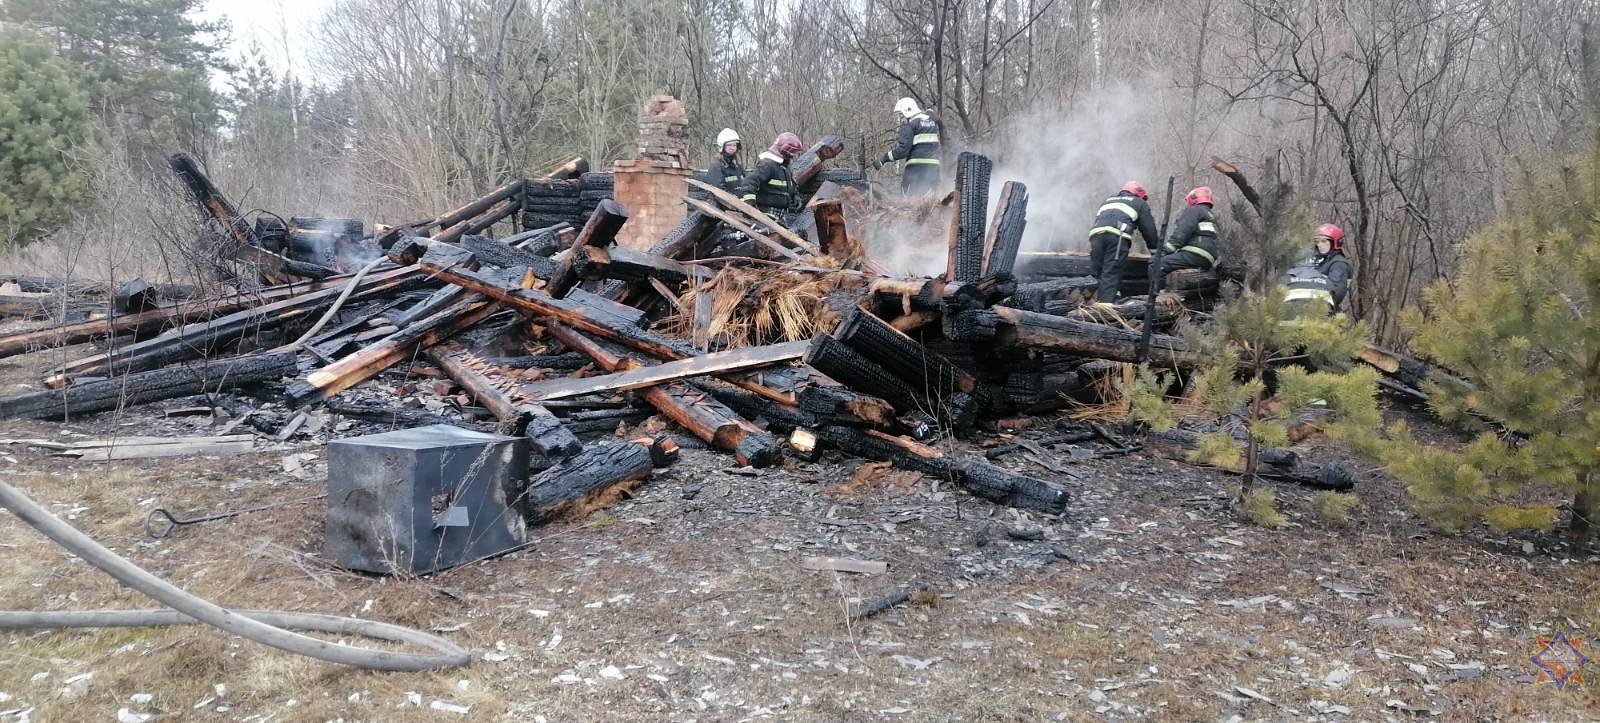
<point>652,187</point>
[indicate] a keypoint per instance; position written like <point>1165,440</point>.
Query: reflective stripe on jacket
<point>1124,213</point>
<point>917,142</point>
<point>770,185</point>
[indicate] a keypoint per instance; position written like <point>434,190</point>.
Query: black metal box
<point>424,499</point>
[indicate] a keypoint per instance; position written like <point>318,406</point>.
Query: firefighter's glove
<point>877,164</point>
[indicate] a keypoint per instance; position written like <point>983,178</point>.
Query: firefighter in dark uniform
<point>1321,285</point>
<point>770,185</point>
<point>1192,244</point>
<point>1111,237</point>
<point>725,172</point>
<point>917,143</point>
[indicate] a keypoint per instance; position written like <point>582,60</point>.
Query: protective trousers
<point>1106,252</point>
<point>1181,260</point>
<point>919,179</point>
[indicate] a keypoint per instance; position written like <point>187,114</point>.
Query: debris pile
<point>745,335</point>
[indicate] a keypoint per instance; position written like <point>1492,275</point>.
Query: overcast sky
<point>272,24</point>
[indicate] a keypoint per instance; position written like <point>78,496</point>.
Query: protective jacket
<point>725,173</point>
<point>917,143</point>
<point>1336,267</point>
<point>770,185</point>
<point>1195,232</point>
<point>1124,213</point>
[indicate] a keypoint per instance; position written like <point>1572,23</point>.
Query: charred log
<point>151,386</point>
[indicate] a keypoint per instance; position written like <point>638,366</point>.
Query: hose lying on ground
<point>262,626</point>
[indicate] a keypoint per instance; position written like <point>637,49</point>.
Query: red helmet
<point>1333,234</point>
<point>1136,188</point>
<point>787,144</point>
<point>1199,195</point>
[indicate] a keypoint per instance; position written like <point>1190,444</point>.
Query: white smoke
<point>1069,160</point>
<point>1072,161</point>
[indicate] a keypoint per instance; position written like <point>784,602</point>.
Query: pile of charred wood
<point>553,332</point>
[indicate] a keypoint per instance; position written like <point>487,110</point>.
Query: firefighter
<point>918,145</point>
<point>725,172</point>
<point>1321,283</point>
<point>770,185</point>
<point>1111,237</point>
<point>1192,244</point>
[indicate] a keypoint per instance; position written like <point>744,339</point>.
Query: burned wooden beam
<point>831,233</point>
<point>485,391</point>
<point>976,476</point>
<point>601,230</point>
<point>595,263</point>
<point>941,382</point>
<point>838,405</point>
<point>478,206</point>
<point>693,409</point>
<point>833,358</point>
<point>211,200</point>
<point>1032,330</point>
<point>756,215</point>
<point>747,229</point>
<point>965,261</point>
<point>1037,295</point>
<point>144,323</point>
<point>583,317</point>
<point>589,480</point>
<point>499,253</point>
<point>687,238</point>
<point>201,339</point>
<point>809,163</point>
<point>1276,463</point>
<point>391,415</point>
<point>179,381</point>
<point>1129,312</point>
<point>373,359</point>
<point>1413,374</point>
<point>721,362</point>
<point>1005,232</point>
<point>548,437</point>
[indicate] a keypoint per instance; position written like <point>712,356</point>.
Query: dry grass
<point>1113,404</point>
<point>751,307</point>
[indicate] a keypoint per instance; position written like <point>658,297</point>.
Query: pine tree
<point>1521,323</point>
<point>144,63</point>
<point>1245,347</point>
<point>43,116</point>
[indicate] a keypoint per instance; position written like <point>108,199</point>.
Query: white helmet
<point>906,107</point>
<point>728,135</point>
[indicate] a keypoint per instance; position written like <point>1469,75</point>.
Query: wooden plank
<point>755,214</point>
<point>691,408</point>
<point>579,316</point>
<point>714,363</point>
<point>199,339</point>
<point>741,226</point>
<point>368,362</point>
<point>845,564</point>
<point>180,448</point>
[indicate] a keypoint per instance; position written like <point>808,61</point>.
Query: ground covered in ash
<point>689,601</point>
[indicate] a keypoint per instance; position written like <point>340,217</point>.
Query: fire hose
<point>267,627</point>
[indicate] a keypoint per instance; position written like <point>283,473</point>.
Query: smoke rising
<point>1070,161</point>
